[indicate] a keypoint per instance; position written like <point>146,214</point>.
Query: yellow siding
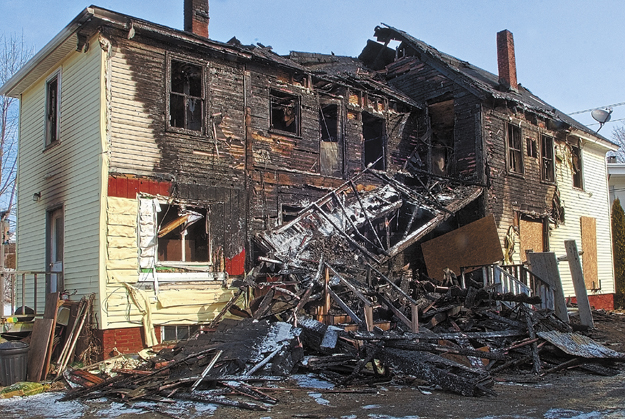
<point>67,174</point>
<point>592,201</point>
<point>176,303</point>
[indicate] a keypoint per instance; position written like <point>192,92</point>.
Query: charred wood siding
<point>426,85</point>
<point>509,193</point>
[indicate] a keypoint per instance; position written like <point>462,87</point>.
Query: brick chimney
<point>506,60</point>
<point>196,17</point>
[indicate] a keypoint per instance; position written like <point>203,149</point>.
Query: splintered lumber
<point>50,312</point>
<point>204,398</point>
<point>444,336</point>
<point>225,309</point>
<point>532,334</point>
<point>249,391</point>
<point>409,362</point>
<point>428,347</point>
<point>39,343</point>
<point>206,370</point>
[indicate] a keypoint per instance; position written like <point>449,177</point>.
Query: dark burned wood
<point>408,362</point>
<point>195,397</point>
<point>249,391</point>
<point>439,336</point>
<point>532,334</point>
<point>345,308</point>
<point>428,347</point>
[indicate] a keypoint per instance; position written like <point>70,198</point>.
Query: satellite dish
<point>601,116</point>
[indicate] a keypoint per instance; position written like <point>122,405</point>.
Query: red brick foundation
<point>124,341</point>
<point>599,301</point>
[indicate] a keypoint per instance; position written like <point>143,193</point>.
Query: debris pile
<point>324,300</point>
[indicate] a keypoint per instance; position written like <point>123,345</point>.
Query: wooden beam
<point>583,305</point>
<point>545,266</point>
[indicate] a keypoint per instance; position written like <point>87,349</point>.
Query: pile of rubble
<point>324,299</point>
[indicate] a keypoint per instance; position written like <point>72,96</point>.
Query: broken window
<point>290,212</point>
<point>530,148</point>
<point>576,163</point>
<point>186,96</point>
<point>52,109</point>
<point>546,157</point>
<point>515,149</point>
<point>330,152</point>
<point>284,112</point>
<point>442,121</point>
<point>183,234</point>
<point>373,132</point>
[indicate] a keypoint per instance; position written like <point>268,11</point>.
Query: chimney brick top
<point>196,17</point>
<point>506,60</point>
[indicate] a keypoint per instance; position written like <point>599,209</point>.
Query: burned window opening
<point>289,212</point>
<point>515,149</point>
<point>442,124</point>
<point>531,148</point>
<point>52,109</point>
<point>186,98</point>
<point>576,166</point>
<point>373,132</point>
<point>330,147</point>
<point>284,112</point>
<point>546,157</point>
<point>183,234</point>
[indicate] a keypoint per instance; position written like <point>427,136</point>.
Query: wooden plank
<point>545,266</point>
<point>588,227</point>
<point>39,342</point>
<point>51,310</point>
<point>585,314</point>
<point>530,237</point>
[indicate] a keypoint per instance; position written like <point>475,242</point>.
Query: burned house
<point>158,166</point>
<point>544,173</point>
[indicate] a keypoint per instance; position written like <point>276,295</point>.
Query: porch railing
<point>26,289</point>
<point>515,279</point>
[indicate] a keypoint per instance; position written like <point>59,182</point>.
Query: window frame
<point>547,159</point>
<point>510,130</point>
<point>574,174</point>
<point>48,141</point>
<point>203,99</point>
<point>298,114</point>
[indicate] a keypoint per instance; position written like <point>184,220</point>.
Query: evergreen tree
<point>618,248</point>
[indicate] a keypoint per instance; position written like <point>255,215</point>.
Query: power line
<point>598,123</point>
<point>600,107</point>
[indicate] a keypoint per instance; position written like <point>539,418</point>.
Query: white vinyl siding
<point>593,201</point>
<point>67,173</point>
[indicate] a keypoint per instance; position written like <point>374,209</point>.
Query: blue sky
<point>569,53</point>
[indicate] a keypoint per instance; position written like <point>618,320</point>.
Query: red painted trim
<point>599,301</point>
<point>236,264</point>
<point>124,187</point>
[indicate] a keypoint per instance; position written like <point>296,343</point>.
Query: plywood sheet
<point>474,244</point>
<point>531,237</point>
<point>589,249</point>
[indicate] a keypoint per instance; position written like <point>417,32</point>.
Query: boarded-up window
<point>531,237</point>
<point>284,110</point>
<point>589,256</point>
<point>186,96</point>
<point>52,109</point>
<point>330,151</point>
<point>546,158</point>
<point>515,149</point>
<point>373,132</point>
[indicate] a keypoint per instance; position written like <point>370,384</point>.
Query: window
<point>182,234</point>
<point>177,332</point>
<point>515,149</point>
<point>530,148</point>
<point>290,212</point>
<point>186,96</point>
<point>330,152</point>
<point>546,157</point>
<point>52,109</point>
<point>373,132</point>
<point>284,112</point>
<point>576,163</point>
